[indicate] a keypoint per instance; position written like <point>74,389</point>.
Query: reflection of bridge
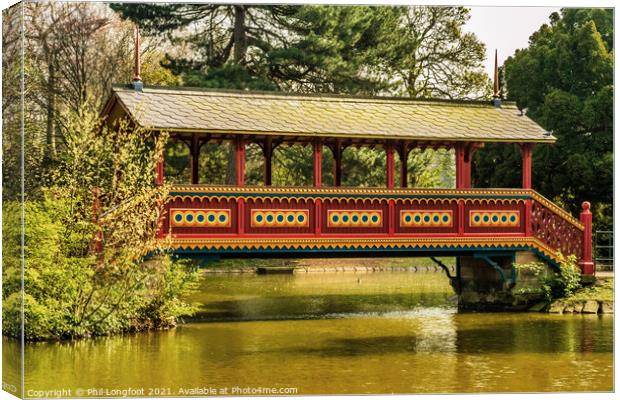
<point>487,229</point>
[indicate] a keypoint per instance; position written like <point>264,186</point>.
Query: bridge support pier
<point>488,281</point>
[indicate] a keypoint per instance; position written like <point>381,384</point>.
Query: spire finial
<point>496,100</point>
<point>137,79</point>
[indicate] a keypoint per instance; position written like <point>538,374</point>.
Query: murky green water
<point>320,333</point>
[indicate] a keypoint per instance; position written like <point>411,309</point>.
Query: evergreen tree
<point>564,80</point>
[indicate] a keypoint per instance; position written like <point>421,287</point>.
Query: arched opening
<point>292,165</point>
<point>497,166</point>
<point>212,164</point>
<point>429,168</point>
<point>363,166</point>
<point>177,162</point>
<point>254,165</point>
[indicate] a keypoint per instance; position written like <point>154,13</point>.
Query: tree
<point>426,53</point>
<point>564,80</point>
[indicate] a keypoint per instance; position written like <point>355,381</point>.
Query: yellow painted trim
<point>363,243</point>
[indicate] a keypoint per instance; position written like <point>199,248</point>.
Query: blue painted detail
<point>222,218</point>
<point>427,218</point>
<point>364,218</point>
<point>417,218</point>
<point>374,218</point>
<point>189,217</point>
<point>407,218</point>
<point>200,218</point>
<point>280,218</point>
<point>178,217</point>
<point>269,218</point>
<point>301,218</point>
<point>290,218</point>
<point>345,218</point>
<point>355,218</point>
<point>211,218</point>
<point>259,218</point>
<point>446,218</point>
<point>436,218</point>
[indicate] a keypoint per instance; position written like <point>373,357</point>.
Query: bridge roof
<point>272,113</point>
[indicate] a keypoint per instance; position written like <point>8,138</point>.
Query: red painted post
<point>404,153</point>
<point>240,161</point>
<point>317,217</point>
<point>526,155</point>
<point>528,217</point>
<point>240,216</point>
<point>461,218</point>
<point>389,154</point>
<point>586,262</point>
<point>317,153</point>
<point>391,218</point>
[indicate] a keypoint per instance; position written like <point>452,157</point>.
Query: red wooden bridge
<point>205,220</point>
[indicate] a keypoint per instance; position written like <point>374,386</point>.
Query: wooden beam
<point>389,154</point>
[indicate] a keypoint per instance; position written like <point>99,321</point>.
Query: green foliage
<point>565,81</point>
<point>552,284</point>
<point>69,290</point>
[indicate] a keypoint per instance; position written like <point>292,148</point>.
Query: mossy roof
<point>272,113</point>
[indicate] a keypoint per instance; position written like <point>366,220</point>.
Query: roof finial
<point>496,99</point>
<point>137,79</point>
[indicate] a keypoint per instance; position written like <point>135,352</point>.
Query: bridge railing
<point>254,215</point>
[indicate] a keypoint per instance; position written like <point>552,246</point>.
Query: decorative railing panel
<point>204,215</point>
<point>559,232</point>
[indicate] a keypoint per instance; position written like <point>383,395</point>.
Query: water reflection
<point>339,333</point>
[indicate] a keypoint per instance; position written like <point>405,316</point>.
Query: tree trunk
<point>239,39</point>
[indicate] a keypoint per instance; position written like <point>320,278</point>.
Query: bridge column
<point>317,152</point>
<point>240,161</point>
<point>389,154</point>
<point>526,156</point>
<point>586,263</point>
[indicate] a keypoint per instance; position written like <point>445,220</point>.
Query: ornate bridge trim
<point>333,220</point>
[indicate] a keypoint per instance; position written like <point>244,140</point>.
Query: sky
<point>506,29</point>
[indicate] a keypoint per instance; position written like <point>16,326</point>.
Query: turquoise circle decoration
<point>345,218</point>
<point>436,218</point>
<point>301,218</point>
<point>427,218</point>
<point>418,218</point>
<point>364,218</point>
<point>335,218</point>
<point>407,218</point>
<point>446,218</point>
<point>178,217</point>
<point>375,218</point>
<point>290,218</point>
<point>504,218</point>
<point>200,218</point>
<point>269,218</point>
<point>494,218</point>
<point>513,218</point>
<point>222,218</point>
<point>211,218</point>
<point>280,218</point>
<point>189,217</point>
<point>485,218</point>
<point>477,218</point>
<point>259,218</point>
